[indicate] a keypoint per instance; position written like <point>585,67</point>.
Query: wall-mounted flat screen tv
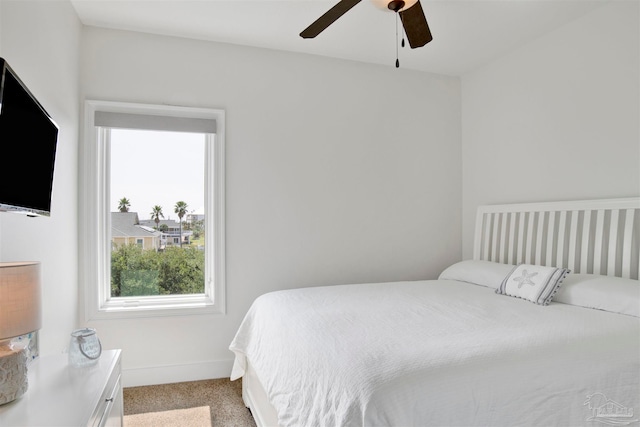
<point>28,140</point>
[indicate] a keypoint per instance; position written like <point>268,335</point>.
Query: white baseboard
<point>167,374</point>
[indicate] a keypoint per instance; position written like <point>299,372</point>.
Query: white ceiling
<point>466,33</point>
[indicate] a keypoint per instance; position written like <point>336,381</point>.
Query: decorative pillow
<point>614,294</point>
<point>533,283</point>
<point>483,273</point>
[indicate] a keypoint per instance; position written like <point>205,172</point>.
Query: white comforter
<point>438,352</point>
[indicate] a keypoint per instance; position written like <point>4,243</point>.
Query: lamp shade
<point>20,299</point>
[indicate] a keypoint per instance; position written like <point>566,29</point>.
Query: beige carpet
<point>200,416</point>
<point>207,403</point>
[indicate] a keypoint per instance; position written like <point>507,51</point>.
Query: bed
<point>541,327</point>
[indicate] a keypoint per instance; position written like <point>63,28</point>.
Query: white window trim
<point>95,220</point>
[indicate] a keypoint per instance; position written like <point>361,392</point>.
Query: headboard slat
<point>494,243</point>
<point>512,237</point>
<point>529,242</point>
<point>597,249</point>
<point>573,240</point>
<point>628,240</point>
<point>487,226</point>
<point>520,251</point>
<point>613,243</point>
<point>539,236</point>
<point>551,237</point>
<point>561,239</point>
<point>504,238</point>
<point>587,236</point>
<point>586,239</point>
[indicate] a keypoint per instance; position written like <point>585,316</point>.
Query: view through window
<point>157,204</point>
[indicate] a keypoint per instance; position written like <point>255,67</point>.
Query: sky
<point>157,168</point>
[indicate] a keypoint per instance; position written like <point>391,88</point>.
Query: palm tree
<point>181,209</point>
<point>156,214</point>
<point>124,204</point>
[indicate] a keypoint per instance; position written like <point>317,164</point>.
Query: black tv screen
<point>28,140</point>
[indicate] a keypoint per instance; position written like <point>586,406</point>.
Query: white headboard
<point>586,236</point>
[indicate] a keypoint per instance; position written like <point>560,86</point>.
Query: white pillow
<point>608,293</point>
<point>483,273</point>
<point>535,283</point>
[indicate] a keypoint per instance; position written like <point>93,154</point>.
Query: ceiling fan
<point>410,12</point>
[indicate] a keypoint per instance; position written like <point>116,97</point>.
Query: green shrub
<point>138,272</point>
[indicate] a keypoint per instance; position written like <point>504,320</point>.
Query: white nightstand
<point>62,395</point>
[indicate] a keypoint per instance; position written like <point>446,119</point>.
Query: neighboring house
<point>197,215</point>
<point>126,229</point>
<point>172,234</point>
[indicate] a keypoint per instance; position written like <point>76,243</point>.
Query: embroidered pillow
<point>533,283</point>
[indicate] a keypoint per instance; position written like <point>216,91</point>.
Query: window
<point>152,232</point>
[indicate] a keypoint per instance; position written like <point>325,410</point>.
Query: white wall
<point>337,172</point>
<point>0,52</point>
<point>40,40</point>
<point>557,119</point>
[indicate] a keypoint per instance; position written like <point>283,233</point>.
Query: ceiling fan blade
<point>328,18</point>
<point>415,26</point>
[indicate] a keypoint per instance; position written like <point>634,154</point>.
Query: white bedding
<point>439,352</point>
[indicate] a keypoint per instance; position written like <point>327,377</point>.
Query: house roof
<point>127,224</point>
<point>169,222</point>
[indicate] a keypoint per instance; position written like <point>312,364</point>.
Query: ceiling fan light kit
<point>396,5</point>
<point>410,12</point>
<point>383,5</point>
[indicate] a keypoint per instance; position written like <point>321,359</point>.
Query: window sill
<point>137,307</point>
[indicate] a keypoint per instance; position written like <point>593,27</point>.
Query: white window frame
<point>95,220</point>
